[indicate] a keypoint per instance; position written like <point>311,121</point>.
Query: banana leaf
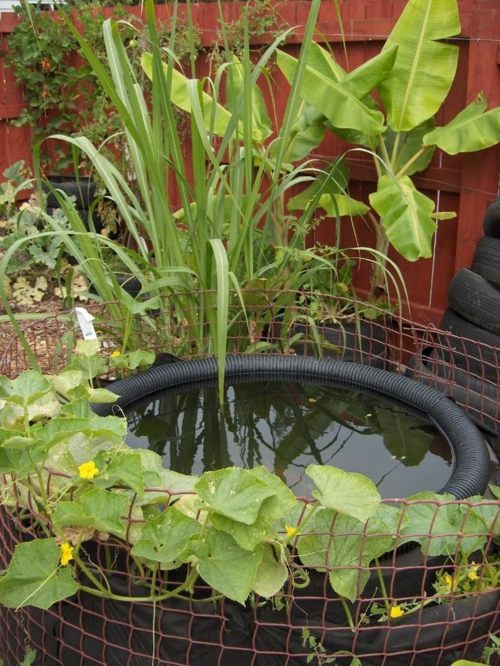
<point>360,82</point>
<point>340,106</point>
<point>333,180</point>
<point>406,215</point>
<point>261,123</point>
<point>322,61</point>
<point>342,205</point>
<point>328,192</point>
<point>425,68</point>
<point>365,78</point>
<point>472,129</point>
<point>180,96</point>
<point>307,133</point>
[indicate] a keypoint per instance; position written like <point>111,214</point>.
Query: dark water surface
<point>287,426</point>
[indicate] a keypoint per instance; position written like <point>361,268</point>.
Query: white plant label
<point>85,320</point>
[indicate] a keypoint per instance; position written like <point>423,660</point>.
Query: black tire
<point>470,348</point>
<point>475,299</point>
<point>362,341</point>
<point>479,399</point>
<point>83,189</point>
<point>486,262</point>
<point>491,223</point>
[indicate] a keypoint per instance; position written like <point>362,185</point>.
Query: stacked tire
<point>464,359</point>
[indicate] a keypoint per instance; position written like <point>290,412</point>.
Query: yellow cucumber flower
<point>291,531</point>
<point>396,611</point>
<point>448,580</point>
<point>472,573</point>
<point>66,553</point>
<point>88,470</point>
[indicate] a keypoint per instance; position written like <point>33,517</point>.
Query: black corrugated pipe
<point>471,471</point>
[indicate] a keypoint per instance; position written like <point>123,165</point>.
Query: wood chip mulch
<point>43,336</point>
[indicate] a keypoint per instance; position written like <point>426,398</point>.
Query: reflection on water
<point>286,426</point>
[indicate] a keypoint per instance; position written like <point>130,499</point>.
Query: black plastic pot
<point>83,189</point>
<point>128,283</point>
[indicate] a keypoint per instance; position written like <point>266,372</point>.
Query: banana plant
<point>412,75</point>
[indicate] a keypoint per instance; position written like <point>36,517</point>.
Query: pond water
<point>286,426</point>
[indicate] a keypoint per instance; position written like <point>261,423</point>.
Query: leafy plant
<point>35,255</point>
<point>467,579</point>
<point>492,649</point>
<point>28,660</point>
<point>60,89</point>
<point>57,87</point>
<point>39,251</point>
<point>16,179</point>
<point>27,292</point>
<point>412,75</point>
<point>131,360</point>
<point>238,530</point>
<point>193,248</point>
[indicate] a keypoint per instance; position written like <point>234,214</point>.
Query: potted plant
<point>59,87</point>
<point>228,563</point>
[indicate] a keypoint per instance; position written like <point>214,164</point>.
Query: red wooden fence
<point>464,184</point>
